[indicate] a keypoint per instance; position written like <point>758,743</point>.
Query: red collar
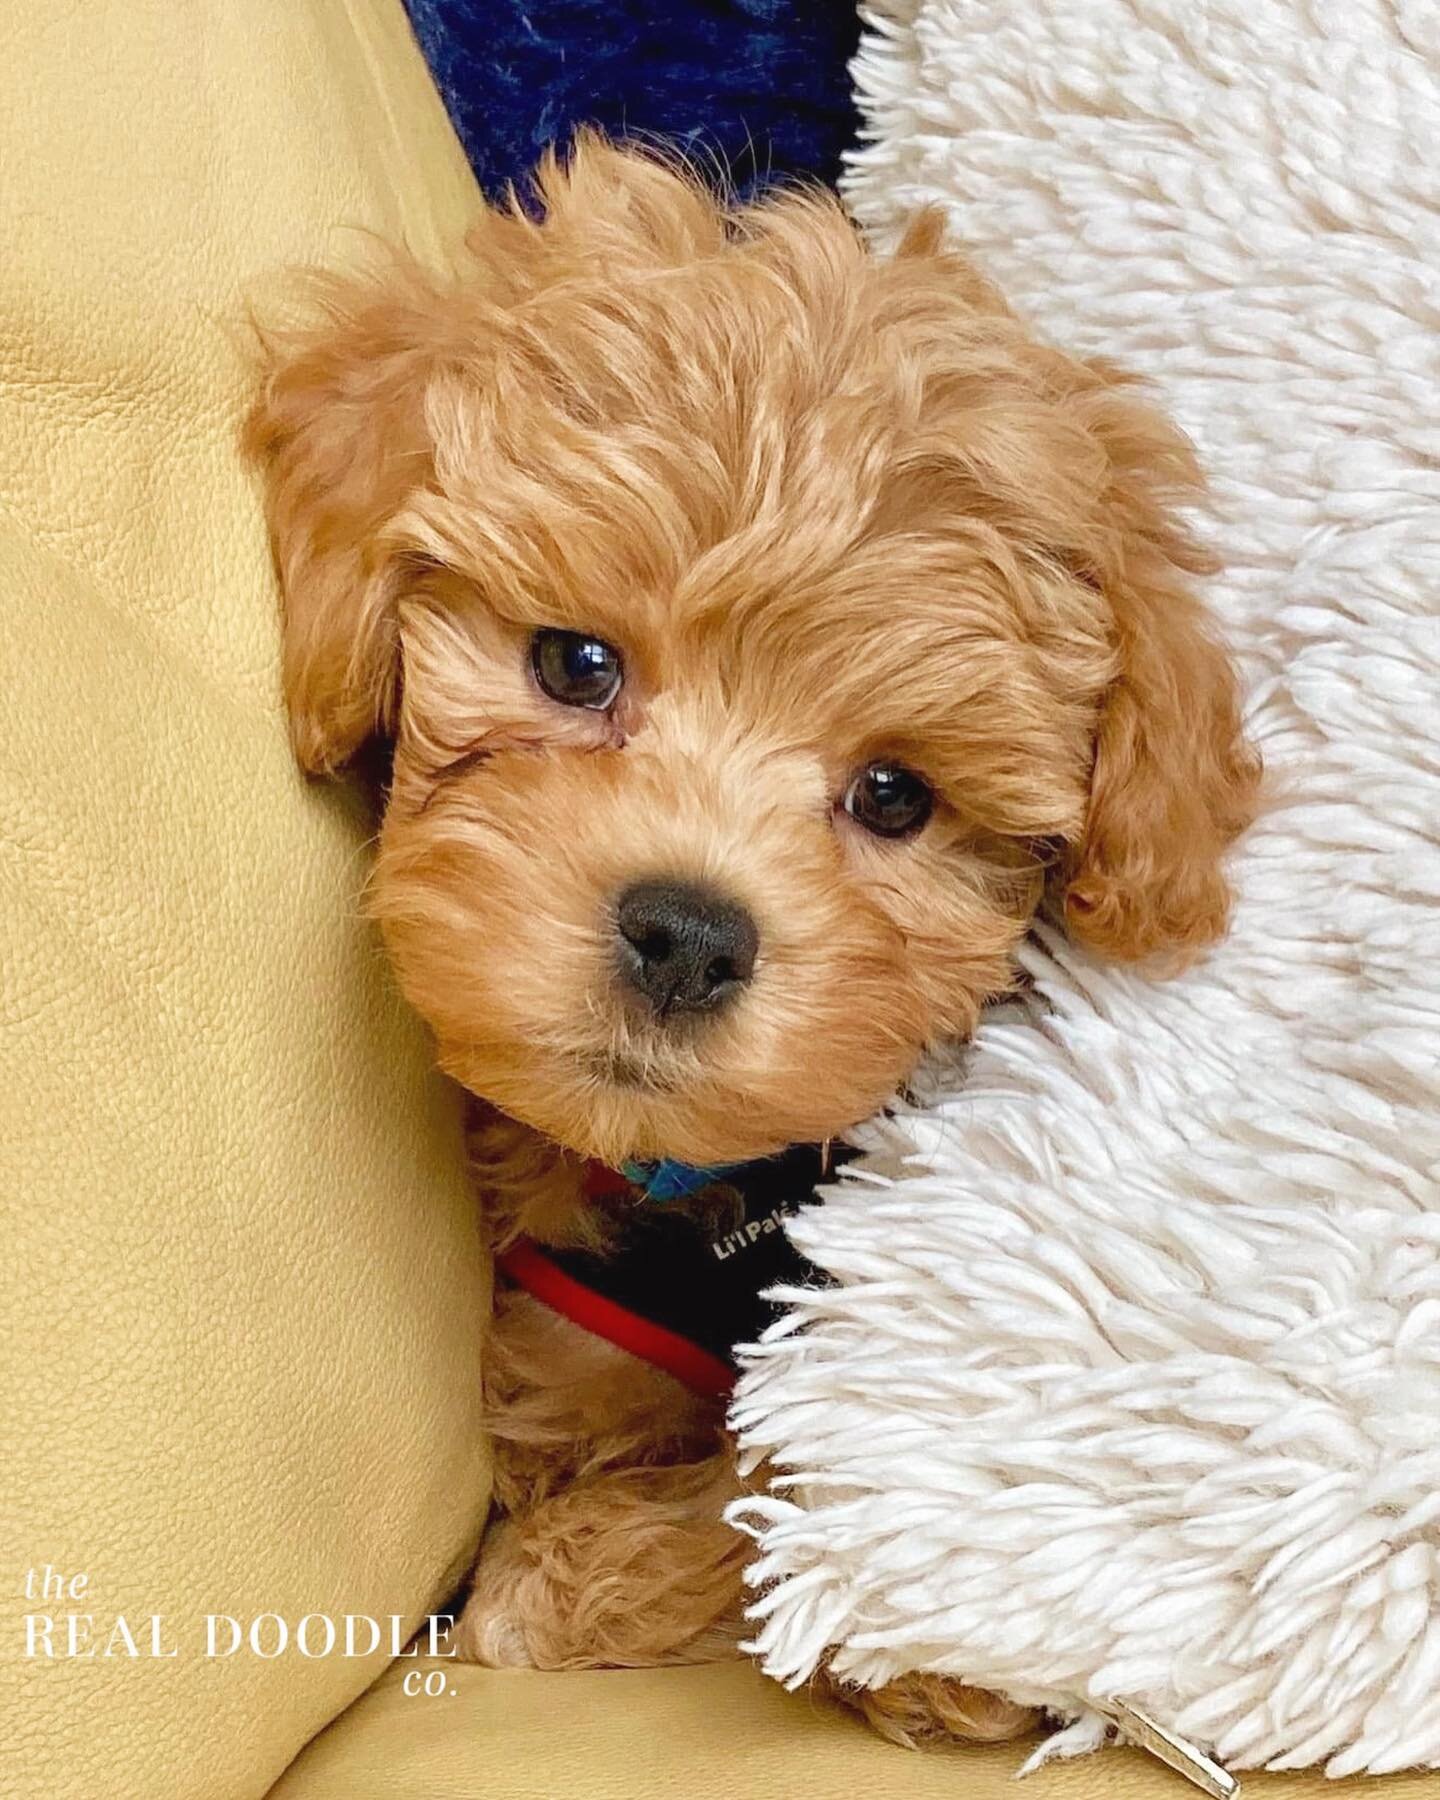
<point>527,1265</point>
<point>604,1183</point>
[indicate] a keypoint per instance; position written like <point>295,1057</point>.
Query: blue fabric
<point>670,1180</point>
<point>760,84</point>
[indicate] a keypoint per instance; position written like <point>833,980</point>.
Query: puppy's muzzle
<point>681,948</point>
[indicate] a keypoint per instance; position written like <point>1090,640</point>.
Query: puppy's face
<point>692,860</point>
<point>757,626</point>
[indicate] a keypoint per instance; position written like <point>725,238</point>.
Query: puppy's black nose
<point>682,948</point>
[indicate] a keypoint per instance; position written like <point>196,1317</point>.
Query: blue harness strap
<point>670,1180</point>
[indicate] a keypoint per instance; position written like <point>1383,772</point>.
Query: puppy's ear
<point>344,425</point>
<point>1174,780</point>
<point>340,431</point>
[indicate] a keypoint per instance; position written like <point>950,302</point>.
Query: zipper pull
<point>1176,1752</point>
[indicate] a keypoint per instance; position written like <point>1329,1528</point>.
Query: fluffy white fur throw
<point>1130,1381</point>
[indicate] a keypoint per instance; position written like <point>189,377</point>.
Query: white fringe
<point>1130,1384</point>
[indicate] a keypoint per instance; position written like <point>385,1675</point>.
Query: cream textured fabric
<point>1131,1384</point>
<point>240,1289</point>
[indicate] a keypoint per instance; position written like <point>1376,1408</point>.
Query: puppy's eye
<point>889,799</point>
<point>575,669</point>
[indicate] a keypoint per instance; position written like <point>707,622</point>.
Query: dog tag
<point>1140,1729</point>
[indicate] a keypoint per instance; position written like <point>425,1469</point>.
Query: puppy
<point>762,632</point>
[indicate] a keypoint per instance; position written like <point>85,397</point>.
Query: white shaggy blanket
<point>1130,1384</point>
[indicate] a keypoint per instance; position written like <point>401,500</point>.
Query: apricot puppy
<point>762,632</point>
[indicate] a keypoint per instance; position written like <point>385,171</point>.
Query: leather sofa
<point>241,1290</point>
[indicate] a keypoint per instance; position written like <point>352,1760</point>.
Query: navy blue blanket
<point>759,84</point>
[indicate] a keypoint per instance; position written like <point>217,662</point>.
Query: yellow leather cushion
<point>241,1290</point>
<point>717,1733</point>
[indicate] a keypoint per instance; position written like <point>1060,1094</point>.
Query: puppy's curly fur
<point>830,509</point>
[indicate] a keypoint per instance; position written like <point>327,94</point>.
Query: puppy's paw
<point>920,1709</point>
<point>633,1569</point>
<point>489,1635</point>
<point>489,1631</point>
